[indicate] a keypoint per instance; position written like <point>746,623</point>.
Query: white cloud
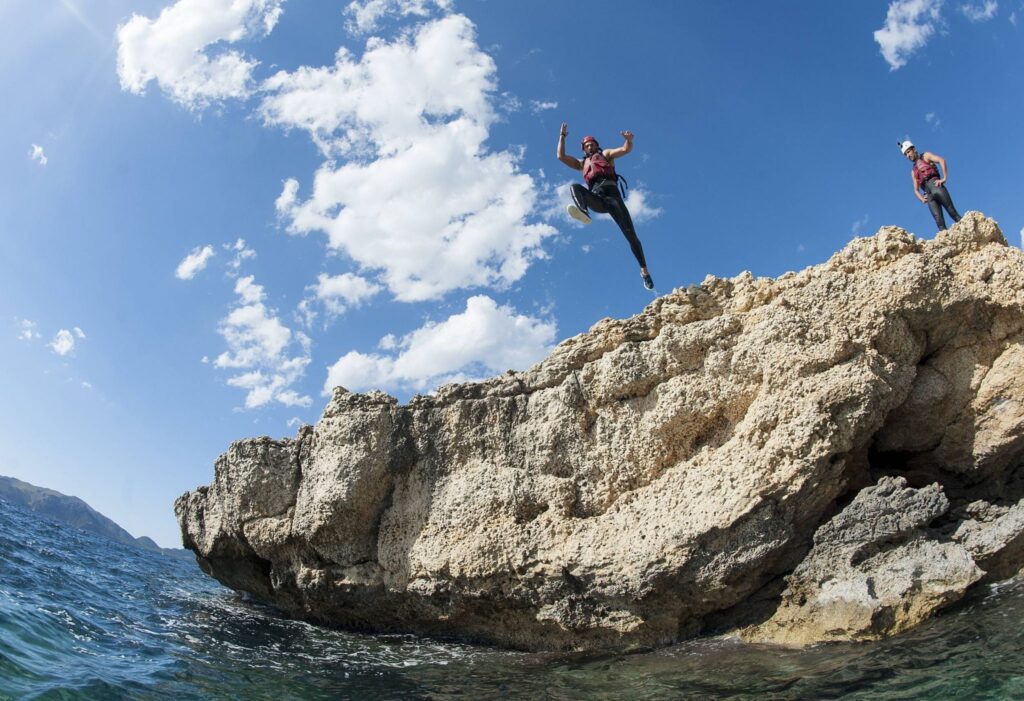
<point>79,332</point>
<point>194,262</point>
<point>241,252</point>
<point>63,343</point>
<point>175,49</point>
<point>483,340</point>
<point>980,12</point>
<point>1022,237</point>
<point>553,199</point>
<point>857,228</point>
<point>933,119</point>
<point>264,348</point>
<point>86,385</point>
<point>908,26</point>
<point>37,155</point>
<point>393,96</point>
<point>29,330</point>
<point>636,203</point>
<point>422,202</point>
<point>305,314</point>
<point>294,421</point>
<point>289,195</point>
<point>248,291</point>
<point>365,15</point>
<point>538,106</point>
<point>1013,18</point>
<point>340,292</point>
<point>508,102</point>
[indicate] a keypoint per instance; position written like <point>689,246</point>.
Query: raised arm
<point>567,160</point>
<point>621,150</point>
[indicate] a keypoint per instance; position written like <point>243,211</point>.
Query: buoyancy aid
<point>596,165</point>
<point>924,171</point>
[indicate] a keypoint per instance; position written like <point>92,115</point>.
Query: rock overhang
<point>661,475</point>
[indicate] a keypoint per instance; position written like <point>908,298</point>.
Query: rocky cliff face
<point>830,455</point>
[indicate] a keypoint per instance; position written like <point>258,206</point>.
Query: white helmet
<point>906,146</point>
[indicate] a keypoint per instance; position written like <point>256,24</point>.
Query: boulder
<point>875,569</point>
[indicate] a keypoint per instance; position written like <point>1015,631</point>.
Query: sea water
<point>82,617</point>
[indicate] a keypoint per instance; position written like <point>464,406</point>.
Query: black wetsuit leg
<point>587,200</point>
<point>608,190</point>
<point>938,197</point>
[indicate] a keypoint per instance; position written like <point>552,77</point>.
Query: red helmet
<point>583,144</point>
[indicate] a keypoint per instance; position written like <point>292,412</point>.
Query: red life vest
<point>596,165</point>
<point>924,171</point>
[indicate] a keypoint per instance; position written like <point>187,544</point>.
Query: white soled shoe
<point>578,214</point>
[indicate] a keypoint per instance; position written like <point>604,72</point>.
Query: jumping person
<point>602,192</point>
<point>929,181</point>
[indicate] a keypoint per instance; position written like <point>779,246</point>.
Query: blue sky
<point>214,211</point>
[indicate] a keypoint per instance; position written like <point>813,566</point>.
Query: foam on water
<point>83,617</point>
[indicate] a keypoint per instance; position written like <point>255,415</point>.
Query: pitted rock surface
<point>657,477</point>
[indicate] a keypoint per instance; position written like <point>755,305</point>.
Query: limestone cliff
<point>833,454</point>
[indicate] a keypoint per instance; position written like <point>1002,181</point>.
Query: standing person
<point>602,192</point>
<point>929,181</point>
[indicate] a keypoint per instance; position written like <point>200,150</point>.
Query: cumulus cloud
<point>908,26</point>
<point>63,343</point>
<point>182,49</point>
<point>28,330</point>
<point>270,358</point>
<point>365,15</point>
<point>538,106</point>
<point>639,209</point>
<point>288,197</point>
<point>79,332</point>
<point>483,340</point>
<point>194,262</point>
<point>981,11</point>
<point>339,292</point>
<point>393,95</point>
<point>421,202</point>
<point>37,155</point>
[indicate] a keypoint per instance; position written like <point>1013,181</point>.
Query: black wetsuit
<point>938,197</point>
<point>604,197</point>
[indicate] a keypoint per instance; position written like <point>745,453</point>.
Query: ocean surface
<point>82,617</point>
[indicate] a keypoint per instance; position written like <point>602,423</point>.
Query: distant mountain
<point>75,512</point>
